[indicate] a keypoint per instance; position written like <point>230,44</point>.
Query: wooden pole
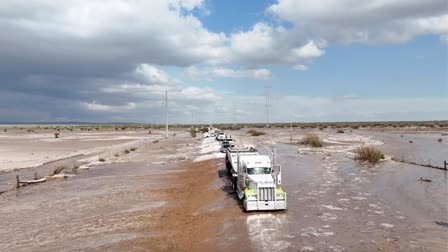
<point>166,114</point>
<point>18,182</point>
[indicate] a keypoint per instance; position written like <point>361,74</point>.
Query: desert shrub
<point>126,151</point>
<point>57,170</point>
<point>204,129</point>
<point>56,135</point>
<point>312,139</point>
<point>155,141</point>
<point>370,154</point>
<point>321,128</point>
<point>355,126</point>
<point>193,132</point>
<point>116,155</point>
<point>149,132</point>
<point>5,130</point>
<point>133,149</point>
<point>101,159</point>
<point>411,141</point>
<point>340,131</point>
<point>253,132</point>
<point>439,140</point>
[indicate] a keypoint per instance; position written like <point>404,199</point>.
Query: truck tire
<point>234,181</point>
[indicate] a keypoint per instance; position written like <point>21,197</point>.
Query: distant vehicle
<point>206,135</point>
<point>230,140</point>
<point>220,136</point>
<point>225,145</point>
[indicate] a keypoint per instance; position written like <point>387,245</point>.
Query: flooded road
<point>174,195</point>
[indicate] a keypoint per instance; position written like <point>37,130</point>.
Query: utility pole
<point>290,136</point>
<point>267,106</point>
<point>166,114</point>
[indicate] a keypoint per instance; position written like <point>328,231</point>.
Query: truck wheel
<point>228,167</point>
<point>234,184</point>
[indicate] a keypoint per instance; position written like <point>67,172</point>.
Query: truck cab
<point>232,155</point>
<point>258,184</point>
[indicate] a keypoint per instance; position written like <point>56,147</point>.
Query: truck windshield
<point>259,170</point>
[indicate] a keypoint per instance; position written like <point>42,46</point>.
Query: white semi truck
<point>256,180</point>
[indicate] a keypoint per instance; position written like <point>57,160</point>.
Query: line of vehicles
<point>255,178</point>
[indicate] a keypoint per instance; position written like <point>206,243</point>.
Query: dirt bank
<point>193,220</point>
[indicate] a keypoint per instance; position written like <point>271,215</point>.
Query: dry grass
<point>253,132</point>
<point>370,154</point>
<point>312,139</point>
<point>57,170</point>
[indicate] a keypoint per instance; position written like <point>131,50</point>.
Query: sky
<point>328,60</point>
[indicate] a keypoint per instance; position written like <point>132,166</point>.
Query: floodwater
<point>420,148</point>
<point>338,204</point>
<point>83,212</point>
<point>334,202</point>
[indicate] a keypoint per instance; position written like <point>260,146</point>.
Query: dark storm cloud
<point>58,56</point>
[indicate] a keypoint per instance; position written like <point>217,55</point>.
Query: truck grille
<point>266,193</point>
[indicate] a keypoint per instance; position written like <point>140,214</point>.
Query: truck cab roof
<point>252,161</point>
<point>242,150</point>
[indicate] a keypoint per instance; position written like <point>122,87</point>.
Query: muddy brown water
<point>334,204</point>
<point>338,204</point>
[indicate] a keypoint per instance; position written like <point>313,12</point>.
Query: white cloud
<point>308,51</point>
<point>211,73</point>
<point>154,85</point>
<point>267,44</point>
<point>377,21</point>
<point>103,107</point>
<point>150,74</point>
<point>300,67</point>
<point>98,32</point>
<point>262,74</point>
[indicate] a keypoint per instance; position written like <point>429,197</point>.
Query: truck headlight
<point>280,194</point>
<point>252,196</point>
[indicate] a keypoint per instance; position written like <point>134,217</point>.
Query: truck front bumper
<point>254,205</point>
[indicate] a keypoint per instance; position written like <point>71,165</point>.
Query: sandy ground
<point>22,149</point>
<point>174,195</point>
